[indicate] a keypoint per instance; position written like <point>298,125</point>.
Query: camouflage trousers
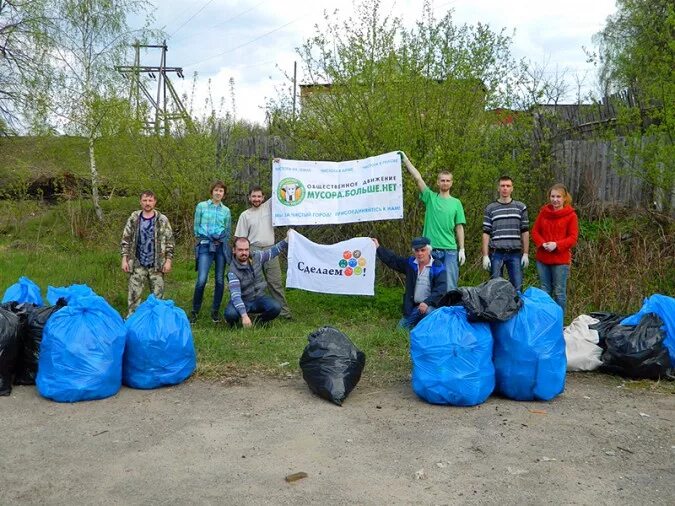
<point>137,278</point>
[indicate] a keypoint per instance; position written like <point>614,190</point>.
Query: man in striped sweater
<point>506,236</point>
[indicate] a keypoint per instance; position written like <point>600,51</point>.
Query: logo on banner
<point>291,191</point>
<point>352,263</point>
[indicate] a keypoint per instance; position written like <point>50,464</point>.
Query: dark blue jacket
<point>407,266</point>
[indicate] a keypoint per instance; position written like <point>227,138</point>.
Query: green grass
<point>61,245</point>
<point>38,242</point>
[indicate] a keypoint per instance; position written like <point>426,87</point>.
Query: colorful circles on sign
<point>358,271</point>
<point>353,262</point>
<point>343,263</point>
<point>349,271</point>
<point>347,255</point>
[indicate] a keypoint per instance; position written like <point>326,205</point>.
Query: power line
<point>191,17</point>
<point>247,43</point>
<point>238,15</point>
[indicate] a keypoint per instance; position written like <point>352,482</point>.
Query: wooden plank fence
<point>603,172</point>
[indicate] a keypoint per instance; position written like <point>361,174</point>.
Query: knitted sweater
<point>561,227</point>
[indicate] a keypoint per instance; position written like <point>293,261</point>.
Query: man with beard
<point>247,284</point>
<point>256,225</point>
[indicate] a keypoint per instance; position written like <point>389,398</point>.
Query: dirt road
<point>234,444</point>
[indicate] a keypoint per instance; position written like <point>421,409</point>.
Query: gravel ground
<point>225,443</point>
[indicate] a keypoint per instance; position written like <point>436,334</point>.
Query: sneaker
<point>193,317</point>
<point>215,317</point>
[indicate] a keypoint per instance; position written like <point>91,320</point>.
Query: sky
<point>254,41</point>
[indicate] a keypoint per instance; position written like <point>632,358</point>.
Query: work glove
<point>524,261</point>
<point>486,263</point>
<point>461,256</point>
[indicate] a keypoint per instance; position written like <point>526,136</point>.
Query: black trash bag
<point>331,364</point>
<point>638,351</point>
<point>607,322</point>
<point>22,310</point>
<point>10,327</point>
<point>34,325</point>
<point>496,300</point>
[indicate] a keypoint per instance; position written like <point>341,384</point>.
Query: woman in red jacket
<point>555,232</point>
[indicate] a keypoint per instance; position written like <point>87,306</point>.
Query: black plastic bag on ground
<point>9,346</point>
<point>331,364</point>
<point>638,351</point>
<point>22,310</point>
<point>34,325</point>
<point>607,322</point>
<point>496,300</point>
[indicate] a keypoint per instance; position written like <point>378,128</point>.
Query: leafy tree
<point>20,57</point>
<point>636,51</point>
<point>430,91</point>
<point>86,39</point>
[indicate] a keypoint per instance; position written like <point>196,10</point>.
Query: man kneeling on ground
<point>247,283</point>
<point>425,280</point>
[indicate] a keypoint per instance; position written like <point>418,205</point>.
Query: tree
<point>636,51</point>
<point>20,57</point>
<point>86,39</point>
<point>430,90</point>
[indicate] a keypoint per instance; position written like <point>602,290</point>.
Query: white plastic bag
<point>581,344</point>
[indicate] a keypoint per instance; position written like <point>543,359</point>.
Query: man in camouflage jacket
<point>147,250</point>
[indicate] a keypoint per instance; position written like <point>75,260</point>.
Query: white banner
<point>322,193</point>
<point>347,267</point>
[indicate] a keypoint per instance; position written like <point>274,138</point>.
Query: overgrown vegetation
<point>442,93</point>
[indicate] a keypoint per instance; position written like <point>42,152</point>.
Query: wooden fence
<point>604,173</point>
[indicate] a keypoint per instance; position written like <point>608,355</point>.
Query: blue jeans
<point>449,259</point>
<point>267,308</point>
<point>510,260</point>
<point>204,261</point>
<point>553,279</point>
<point>409,322</point>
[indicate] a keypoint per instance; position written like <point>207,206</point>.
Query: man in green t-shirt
<point>443,221</point>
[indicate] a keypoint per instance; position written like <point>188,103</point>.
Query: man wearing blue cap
<point>425,280</point>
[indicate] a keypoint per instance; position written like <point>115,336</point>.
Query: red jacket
<point>561,227</point>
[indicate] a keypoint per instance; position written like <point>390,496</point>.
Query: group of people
<point>433,270</point>
<point>253,264</point>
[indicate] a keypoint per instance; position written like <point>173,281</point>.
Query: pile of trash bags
<point>489,339</point>
<point>79,348</point>
<point>639,346</point>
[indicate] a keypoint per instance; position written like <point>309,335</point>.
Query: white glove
<point>486,263</point>
<point>461,256</point>
<point>524,261</point>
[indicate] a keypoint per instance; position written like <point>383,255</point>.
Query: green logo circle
<point>343,263</point>
<point>290,191</point>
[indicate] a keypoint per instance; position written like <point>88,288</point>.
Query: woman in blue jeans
<point>555,232</point>
<point>212,226</point>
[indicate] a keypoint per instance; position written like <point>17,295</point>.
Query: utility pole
<point>160,102</point>
<point>295,80</point>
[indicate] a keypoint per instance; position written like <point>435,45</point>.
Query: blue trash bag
<point>664,307</point>
<point>159,349</point>
<point>68,293</point>
<point>81,352</point>
<point>452,359</point>
<point>529,354</point>
<point>23,290</point>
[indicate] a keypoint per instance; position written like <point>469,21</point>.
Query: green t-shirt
<point>440,218</point>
